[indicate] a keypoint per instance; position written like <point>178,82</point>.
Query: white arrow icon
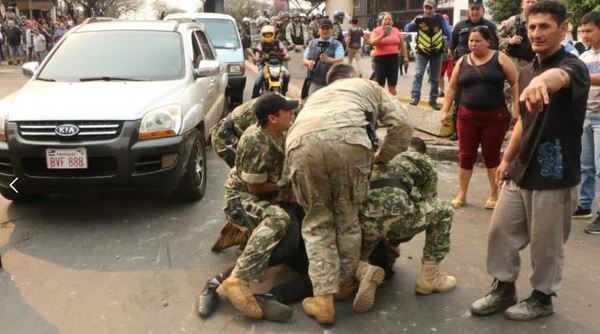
<point>12,185</point>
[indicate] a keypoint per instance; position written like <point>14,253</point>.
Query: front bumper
<point>122,162</point>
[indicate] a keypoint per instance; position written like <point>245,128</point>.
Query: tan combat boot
<point>369,278</point>
<point>231,235</point>
<point>239,294</point>
<point>431,280</point>
<point>321,308</point>
<point>346,290</point>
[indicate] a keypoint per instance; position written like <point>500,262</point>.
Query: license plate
<point>74,158</point>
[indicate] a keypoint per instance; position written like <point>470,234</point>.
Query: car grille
<point>88,130</point>
<point>97,166</point>
<point>6,167</point>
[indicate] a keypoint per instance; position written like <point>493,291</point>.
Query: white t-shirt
<point>39,43</point>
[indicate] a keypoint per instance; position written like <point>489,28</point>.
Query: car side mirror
<point>207,68</point>
<point>30,68</point>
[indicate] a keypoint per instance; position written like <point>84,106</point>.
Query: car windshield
<point>117,56</point>
<point>222,33</point>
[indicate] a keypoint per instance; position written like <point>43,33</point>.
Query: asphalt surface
<point>135,263</point>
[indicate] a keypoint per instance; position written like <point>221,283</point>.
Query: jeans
<point>590,162</point>
<point>435,62</point>
<point>260,82</point>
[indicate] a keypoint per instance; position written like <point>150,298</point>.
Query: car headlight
<point>161,122</point>
<point>235,68</point>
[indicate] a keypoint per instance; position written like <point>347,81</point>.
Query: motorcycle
<point>273,72</point>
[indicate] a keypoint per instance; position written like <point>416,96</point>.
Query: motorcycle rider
<point>267,48</point>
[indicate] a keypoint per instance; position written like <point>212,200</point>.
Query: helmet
<point>295,15</point>
<point>268,29</point>
<point>246,19</point>
<point>316,12</point>
<point>283,15</point>
<point>261,20</point>
<point>339,15</point>
<point>302,15</point>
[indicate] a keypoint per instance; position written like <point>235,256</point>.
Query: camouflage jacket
<point>396,187</point>
<point>259,159</point>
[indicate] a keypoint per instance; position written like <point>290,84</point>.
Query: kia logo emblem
<point>66,130</point>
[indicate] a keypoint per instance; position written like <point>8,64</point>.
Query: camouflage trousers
<point>434,216</point>
<point>267,224</point>
<point>519,64</point>
<point>330,179</point>
<point>224,139</point>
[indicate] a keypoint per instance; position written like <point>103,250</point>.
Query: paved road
<point>134,263</point>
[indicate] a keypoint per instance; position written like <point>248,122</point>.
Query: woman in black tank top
<point>482,114</point>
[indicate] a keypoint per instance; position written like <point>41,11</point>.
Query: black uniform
<point>460,36</point>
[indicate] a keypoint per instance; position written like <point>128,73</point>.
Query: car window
<point>222,33</point>
<point>130,55</point>
<point>208,54</point>
<point>197,52</point>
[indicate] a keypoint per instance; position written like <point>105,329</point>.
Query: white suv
<point>115,105</point>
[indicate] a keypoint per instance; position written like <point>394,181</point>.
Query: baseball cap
<point>475,3</point>
<point>430,3</point>
<point>325,22</point>
<point>272,103</point>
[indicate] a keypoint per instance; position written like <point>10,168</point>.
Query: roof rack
<point>181,20</point>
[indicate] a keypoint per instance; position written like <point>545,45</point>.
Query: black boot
<point>273,310</point>
<point>209,298</point>
<point>502,296</point>
<point>537,305</point>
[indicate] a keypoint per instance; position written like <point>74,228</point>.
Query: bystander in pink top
<point>389,44</point>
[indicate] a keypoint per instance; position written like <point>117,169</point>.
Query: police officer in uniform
<point>296,32</point>
<point>251,198</point>
<point>329,152</point>
<point>431,29</point>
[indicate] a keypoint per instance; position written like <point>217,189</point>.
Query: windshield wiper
<point>106,78</point>
<point>44,79</point>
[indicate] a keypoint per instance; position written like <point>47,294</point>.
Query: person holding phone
<point>387,44</point>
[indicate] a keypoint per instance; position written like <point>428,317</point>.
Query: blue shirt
<point>339,52</point>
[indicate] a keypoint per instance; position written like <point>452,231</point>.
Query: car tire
<point>10,195</point>
<point>193,183</point>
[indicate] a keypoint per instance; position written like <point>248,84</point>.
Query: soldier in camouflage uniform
<point>251,197</point>
<point>402,202</point>
<point>227,132</point>
<point>329,151</point>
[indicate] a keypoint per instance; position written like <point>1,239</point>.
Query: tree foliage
<point>162,8</point>
<point>579,8</point>
<point>111,8</point>
<point>503,9</point>
<point>246,8</point>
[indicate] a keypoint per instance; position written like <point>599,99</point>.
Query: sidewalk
<point>426,120</point>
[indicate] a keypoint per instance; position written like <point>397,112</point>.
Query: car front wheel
<point>193,183</point>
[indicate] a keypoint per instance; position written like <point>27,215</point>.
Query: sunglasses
<point>268,34</point>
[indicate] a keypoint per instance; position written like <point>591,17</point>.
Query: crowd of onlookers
<point>23,39</point>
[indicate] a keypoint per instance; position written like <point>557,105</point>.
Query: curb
<point>436,152</point>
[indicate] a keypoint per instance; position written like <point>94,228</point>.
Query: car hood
<point>231,56</point>
<point>97,100</point>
